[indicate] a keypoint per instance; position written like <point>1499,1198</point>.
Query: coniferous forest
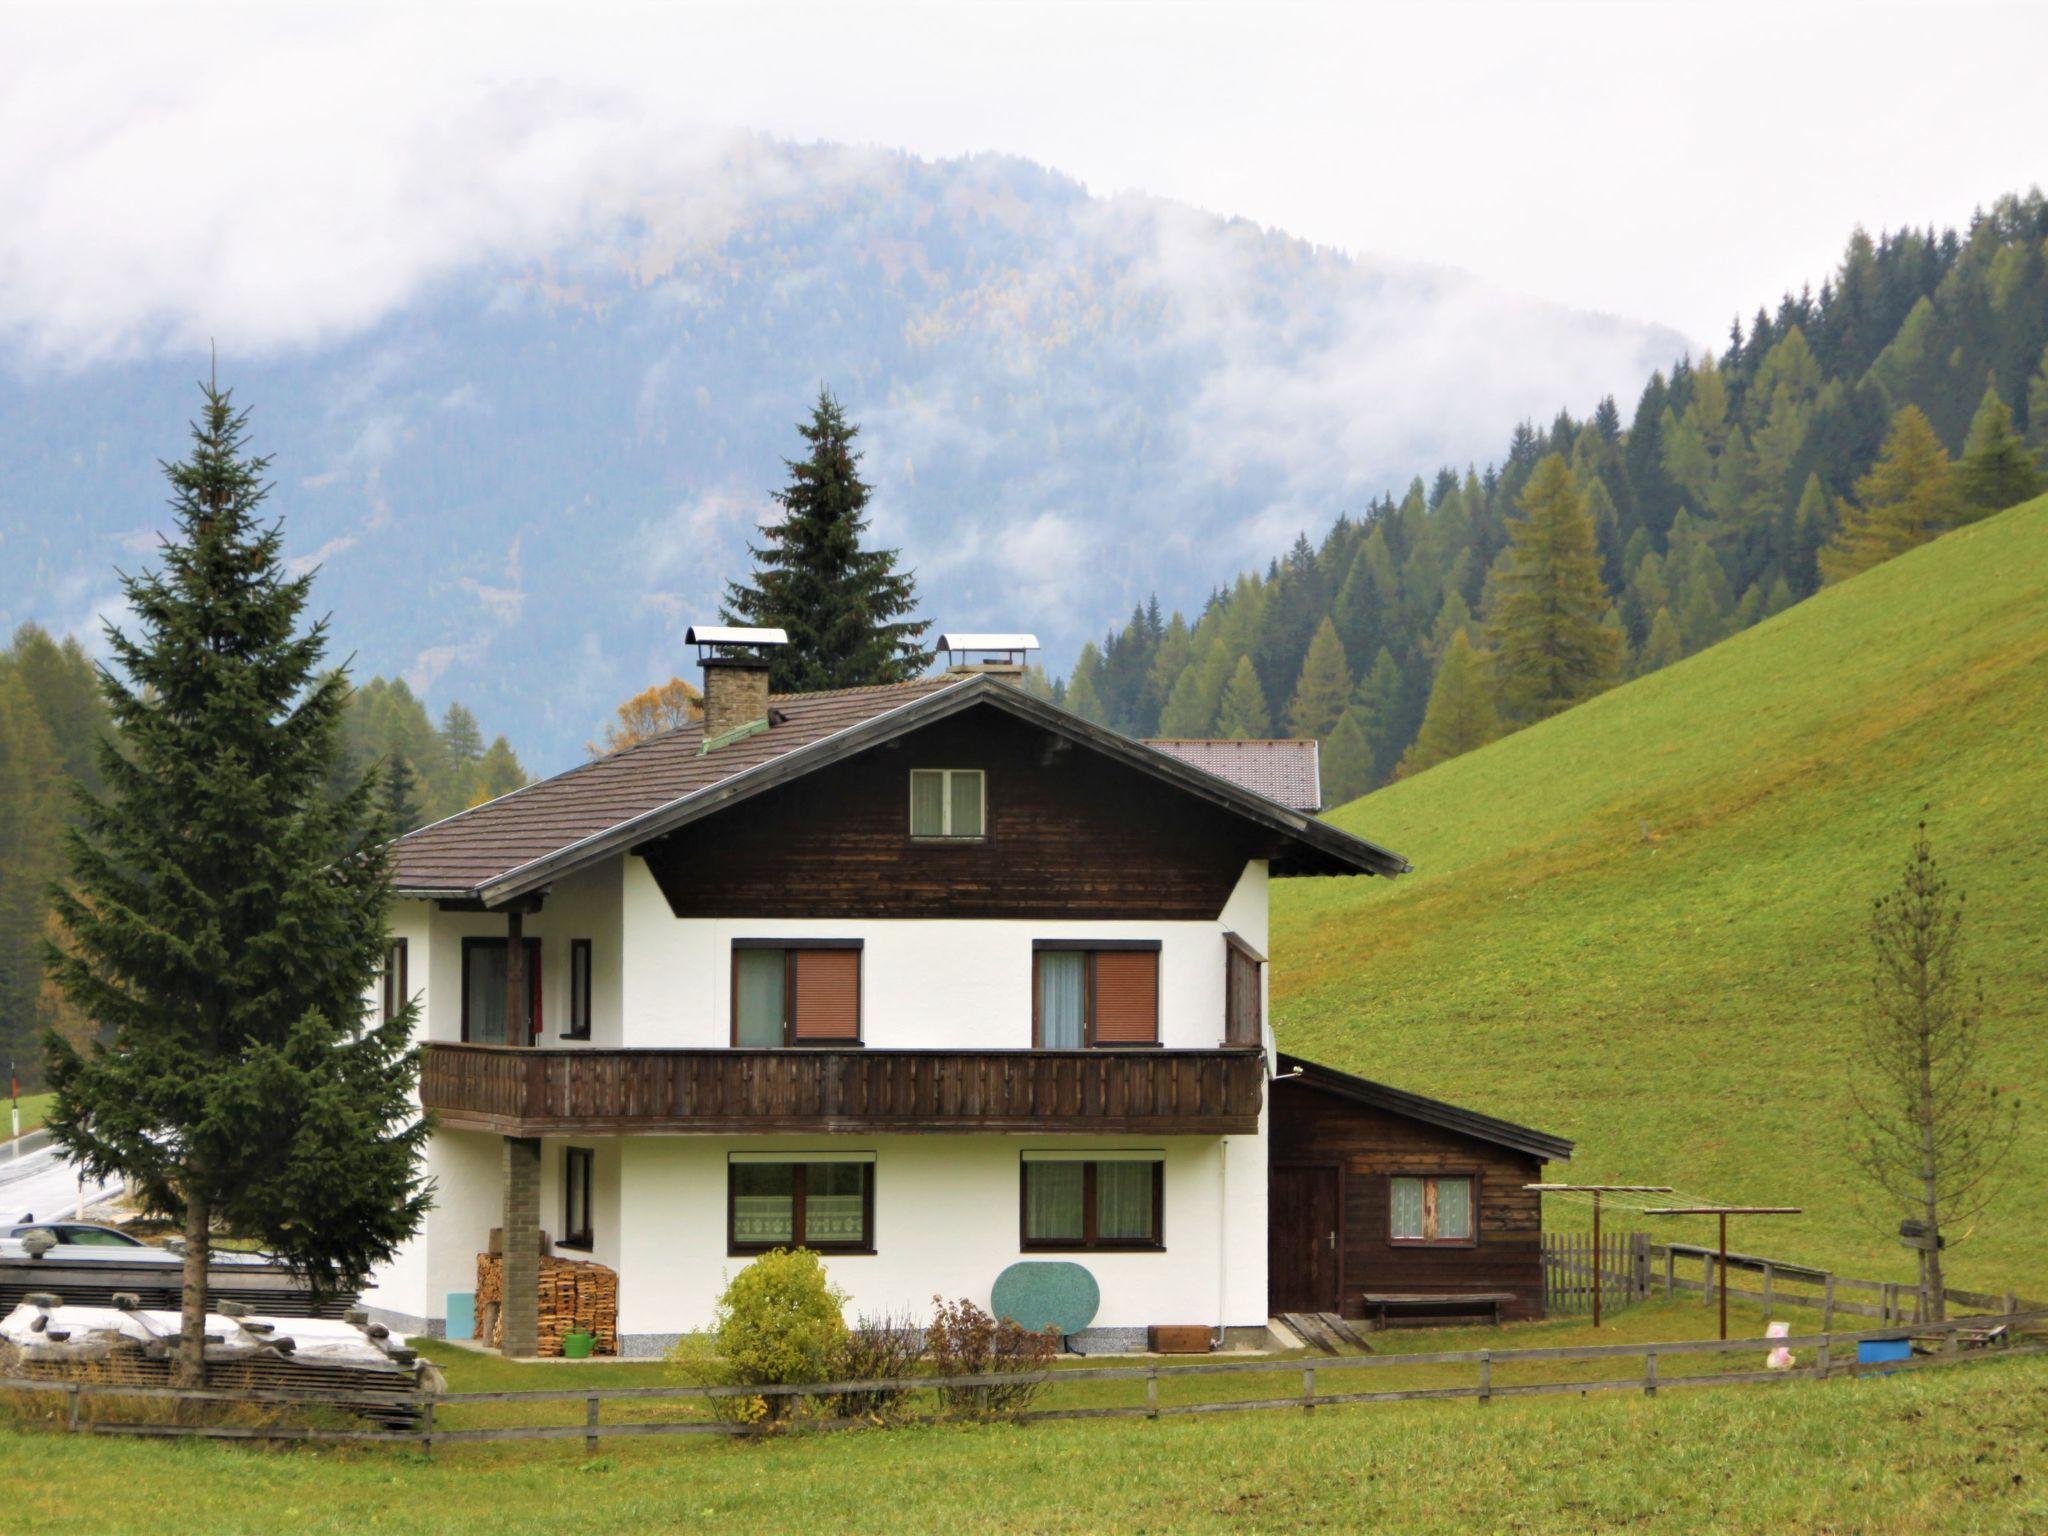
<point>1832,431</point>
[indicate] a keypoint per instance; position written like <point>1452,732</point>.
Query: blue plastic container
<point>1883,1351</point>
<point>461,1315</point>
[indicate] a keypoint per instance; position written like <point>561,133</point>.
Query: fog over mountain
<point>530,446</point>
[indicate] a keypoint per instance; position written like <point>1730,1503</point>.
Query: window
<point>824,1201</point>
<point>946,802</point>
<point>795,993</point>
<point>483,991</point>
<point>395,993</point>
<point>1431,1210</point>
<point>576,1223</point>
<point>579,991</point>
<point>1094,992</point>
<point>1093,1200</point>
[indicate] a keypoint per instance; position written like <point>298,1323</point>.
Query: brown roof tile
<point>1286,771</point>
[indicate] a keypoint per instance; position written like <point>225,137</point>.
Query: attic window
<point>946,803</point>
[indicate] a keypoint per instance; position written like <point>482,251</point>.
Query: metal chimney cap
<point>726,634</point>
<point>964,640</point>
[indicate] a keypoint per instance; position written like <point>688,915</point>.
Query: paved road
<point>41,1183</point>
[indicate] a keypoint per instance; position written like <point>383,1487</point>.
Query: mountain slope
<point>523,479</point>
<point>1643,923</point>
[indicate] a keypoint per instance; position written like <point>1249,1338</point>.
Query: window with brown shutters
<point>795,992</point>
<point>1112,985</point>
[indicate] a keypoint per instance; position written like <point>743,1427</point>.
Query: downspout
<point>1222,1240</point>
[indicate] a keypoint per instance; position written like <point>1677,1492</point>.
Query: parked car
<point>78,1234</point>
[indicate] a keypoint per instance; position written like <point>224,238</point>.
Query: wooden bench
<point>1378,1305</point>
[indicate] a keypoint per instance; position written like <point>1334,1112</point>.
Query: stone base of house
<point>1090,1341</point>
<point>405,1325</point>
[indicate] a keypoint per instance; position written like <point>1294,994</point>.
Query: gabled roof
<point>521,842</point>
<point>1287,771</point>
<point>1466,1122</point>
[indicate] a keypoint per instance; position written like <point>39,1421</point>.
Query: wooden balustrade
<point>591,1092</point>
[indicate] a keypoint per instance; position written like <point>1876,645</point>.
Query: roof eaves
<point>1466,1122</point>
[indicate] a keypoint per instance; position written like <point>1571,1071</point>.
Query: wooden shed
<point>1387,1203</point>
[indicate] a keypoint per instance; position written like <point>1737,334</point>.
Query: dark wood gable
<point>1070,833</point>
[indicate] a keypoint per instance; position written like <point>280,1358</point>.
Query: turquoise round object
<point>1040,1294</point>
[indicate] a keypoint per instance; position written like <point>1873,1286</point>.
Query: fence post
<point>2012,1302</point>
<point>71,1409</point>
<point>427,1431</point>
<point>1639,1267</point>
<point>1308,1387</point>
<point>590,1407</point>
<point>1670,1272</point>
<point>1827,1303</point>
<point>1649,1373</point>
<point>1485,1377</point>
<point>1152,1393</point>
<point>1707,1278</point>
<point>1769,1289</point>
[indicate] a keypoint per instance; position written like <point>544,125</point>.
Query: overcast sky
<point>159,169</point>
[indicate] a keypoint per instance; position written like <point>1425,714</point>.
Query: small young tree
<point>843,606</point>
<point>225,917</point>
<point>1933,1136</point>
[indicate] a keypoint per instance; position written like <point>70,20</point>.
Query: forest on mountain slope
<point>1736,486</point>
<point>52,719</point>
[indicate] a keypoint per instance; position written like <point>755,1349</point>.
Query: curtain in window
<point>835,1210</point>
<point>1062,999</point>
<point>927,803</point>
<point>763,1202</point>
<point>487,994</point>
<point>966,798</point>
<point>758,976</point>
<point>1453,1209</point>
<point>1052,1201</point>
<point>1123,1202</point>
<point>1407,1211</point>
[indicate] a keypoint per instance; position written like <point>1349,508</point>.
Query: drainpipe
<point>1222,1239</point>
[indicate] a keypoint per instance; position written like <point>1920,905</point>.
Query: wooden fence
<point>1629,1267</point>
<point>1832,1354</point>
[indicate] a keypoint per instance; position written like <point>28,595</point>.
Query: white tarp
<point>325,1341</point>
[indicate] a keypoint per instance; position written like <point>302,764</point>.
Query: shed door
<point>1303,1240</point>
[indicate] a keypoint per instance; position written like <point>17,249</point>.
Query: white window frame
<point>946,778</point>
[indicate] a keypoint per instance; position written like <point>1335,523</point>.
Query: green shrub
<point>778,1322</point>
<point>885,1348</point>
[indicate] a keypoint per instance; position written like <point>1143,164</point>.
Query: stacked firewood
<point>574,1296</point>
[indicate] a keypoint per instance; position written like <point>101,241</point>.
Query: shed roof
<point>1287,771</point>
<point>520,842</point>
<point>1414,1106</point>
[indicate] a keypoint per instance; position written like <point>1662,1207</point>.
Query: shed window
<point>1432,1210</point>
<point>787,993</point>
<point>826,1203</point>
<point>576,1223</point>
<point>1095,994</point>
<point>1097,1200</point>
<point>946,802</point>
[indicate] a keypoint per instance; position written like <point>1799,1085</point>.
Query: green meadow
<point>1643,924</point>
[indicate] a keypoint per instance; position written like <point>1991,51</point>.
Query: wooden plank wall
<point>1371,1145</point>
<point>1070,834</point>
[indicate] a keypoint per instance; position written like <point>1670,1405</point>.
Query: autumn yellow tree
<point>648,714</point>
<point>1909,497</point>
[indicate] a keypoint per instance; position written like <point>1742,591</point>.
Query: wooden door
<point>1304,1240</point>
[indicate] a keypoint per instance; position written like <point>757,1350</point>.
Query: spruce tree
<point>1908,497</point>
<point>1460,715</point>
<point>1664,646</point>
<point>1084,696</point>
<point>225,916</point>
<point>1346,762</point>
<point>400,802</point>
<point>842,605</point>
<point>1379,713</point>
<point>2037,411</point>
<point>1243,715</point>
<point>1996,470</point>
<point>1551,648</point>
<point>1324,688</point>
<point>497,772</point>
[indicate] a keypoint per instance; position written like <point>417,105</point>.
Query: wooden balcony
<point>521,1092</point>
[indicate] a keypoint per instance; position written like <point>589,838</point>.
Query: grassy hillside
<point>1643,924</point>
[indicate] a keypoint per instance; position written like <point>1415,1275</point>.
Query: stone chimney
<point>999,655</point>
<point>735,663</point>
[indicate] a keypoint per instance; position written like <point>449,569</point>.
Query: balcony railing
<point>522,1092</point>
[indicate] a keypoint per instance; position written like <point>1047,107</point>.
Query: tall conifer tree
<point>1461,715</point>
<point>1908,497</point>
<point>1551,648</point>
<point>1996,470</point>
<point>1324,688</point>
<point>843,606</point>
<point>225,916</point>
<point>1243,716</point>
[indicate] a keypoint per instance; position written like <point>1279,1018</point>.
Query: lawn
<point>1941,1451</point>
<point>1643,924</point>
